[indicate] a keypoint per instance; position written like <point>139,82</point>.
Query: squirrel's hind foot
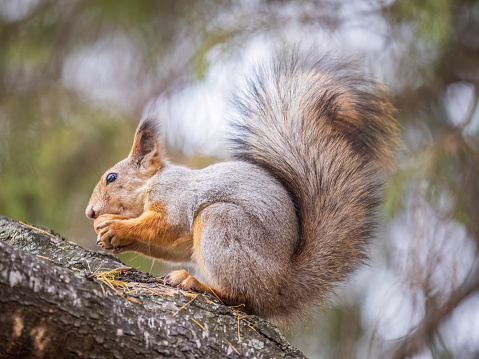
<point>182,279</point>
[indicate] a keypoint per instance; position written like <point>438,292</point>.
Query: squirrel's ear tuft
<point>146,147</point>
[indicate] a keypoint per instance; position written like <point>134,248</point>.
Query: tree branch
<point>53,306</point>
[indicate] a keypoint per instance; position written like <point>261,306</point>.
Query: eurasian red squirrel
<point>289,216</point>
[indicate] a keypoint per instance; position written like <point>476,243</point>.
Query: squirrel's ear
<point>146,148</point>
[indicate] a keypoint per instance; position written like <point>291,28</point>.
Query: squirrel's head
<point>122,189</point>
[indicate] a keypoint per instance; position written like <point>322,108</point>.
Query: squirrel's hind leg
<point>237,255</point>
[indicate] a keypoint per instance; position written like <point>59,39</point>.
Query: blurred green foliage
<point>57,136</point>
<point>432,20</point>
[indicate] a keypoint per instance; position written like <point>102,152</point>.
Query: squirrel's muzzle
<point>90,212</point>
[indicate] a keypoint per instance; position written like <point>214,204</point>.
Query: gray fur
<point>252,230</point>
<point>293,215</point>
<point>326,133</point>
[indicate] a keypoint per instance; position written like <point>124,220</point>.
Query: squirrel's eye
<point>111,178</point>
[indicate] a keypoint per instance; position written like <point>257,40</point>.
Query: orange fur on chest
<point>151,227</point>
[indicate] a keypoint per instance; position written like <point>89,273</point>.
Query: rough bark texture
<point>52,307</point>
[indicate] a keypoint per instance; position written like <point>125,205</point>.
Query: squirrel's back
<point>326,132</point>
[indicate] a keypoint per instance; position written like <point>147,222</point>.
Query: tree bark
<point>56,304</point>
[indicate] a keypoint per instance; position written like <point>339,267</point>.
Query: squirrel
<point>289,216</point>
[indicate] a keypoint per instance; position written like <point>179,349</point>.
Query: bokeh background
<point>76,74</point>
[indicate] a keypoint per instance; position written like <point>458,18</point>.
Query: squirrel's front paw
<point>112,233</point>
<point>104,217</point>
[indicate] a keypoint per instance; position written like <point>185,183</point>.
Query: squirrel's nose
<point>90,213</point>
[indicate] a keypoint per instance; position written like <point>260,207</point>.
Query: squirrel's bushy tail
<point>326,132</point>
